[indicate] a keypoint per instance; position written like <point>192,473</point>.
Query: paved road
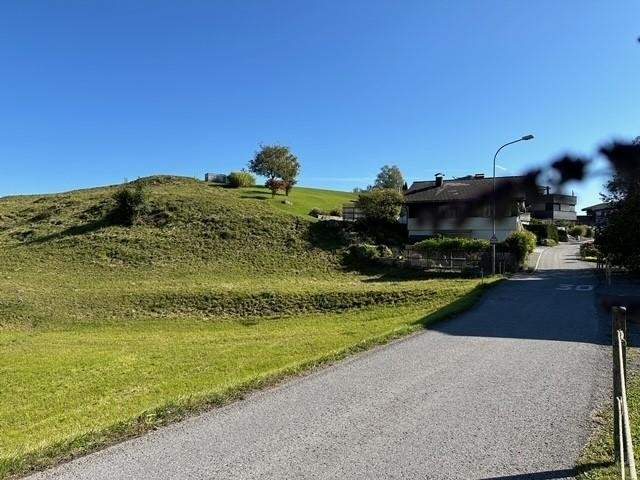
<point>504,391</point>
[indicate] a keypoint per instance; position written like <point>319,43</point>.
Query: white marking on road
<point>538,262</point>
<point>578,288</point>
<point>584,288</point>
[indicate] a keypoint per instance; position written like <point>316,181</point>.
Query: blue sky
<point>97,91</point>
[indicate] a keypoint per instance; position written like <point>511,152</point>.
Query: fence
<point>623,445</point>
<point>453,261</point>
<point>460,261</point>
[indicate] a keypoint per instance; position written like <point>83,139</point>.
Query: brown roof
<point>460,189</point>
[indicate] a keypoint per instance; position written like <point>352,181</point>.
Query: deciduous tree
<point>390,177</point>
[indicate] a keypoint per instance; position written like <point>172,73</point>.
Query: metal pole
<point>493,203</point>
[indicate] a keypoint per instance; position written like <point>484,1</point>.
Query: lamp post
<point>494,239</point>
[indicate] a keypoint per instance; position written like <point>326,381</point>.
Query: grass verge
<point>71,391</point>
<point>596,461</point>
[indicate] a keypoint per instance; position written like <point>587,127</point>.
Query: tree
<point>276,162</point>
<point>390,177</point>
<point>624,181</point>
<point>289,170</point>
<point>380,204</point>
<point>618,240</point>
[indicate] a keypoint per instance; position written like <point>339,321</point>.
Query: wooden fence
<point>623,444</point>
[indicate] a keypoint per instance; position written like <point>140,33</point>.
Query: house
<point>551,207</point>
<point>216,178</point>
<point>597,215</point>
<point>436,207</point>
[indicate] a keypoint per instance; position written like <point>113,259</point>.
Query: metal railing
<point>623,444</point>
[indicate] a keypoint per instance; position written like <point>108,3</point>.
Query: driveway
<point>504,391</point>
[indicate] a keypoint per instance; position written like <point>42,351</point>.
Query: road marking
<point>539,258</point>
<point>584,288</point>
<point>578,288</point>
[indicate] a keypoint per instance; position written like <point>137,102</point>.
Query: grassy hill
<point>106,331</point>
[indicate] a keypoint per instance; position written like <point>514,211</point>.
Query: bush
<point>130,204</point>
<point>589,250</point>
<point>336,212</point>
<point>543,230</point>
<point>562,235</point>
<point>380,205</point>
<point>241,179</point>
<point>363,252</point>
<point>520,244</point>
<point>275,185</point>
<point>549,242</point>
<point>588,232</point>
<point>577,231</point>
<point>316,212</point>
<point>432,246</point>
<point>367,253</point>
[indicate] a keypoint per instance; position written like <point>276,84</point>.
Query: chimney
<point>479,175</point>
<point>439,179</point>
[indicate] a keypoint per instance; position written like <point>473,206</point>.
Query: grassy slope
<point>107,331</point>
<point>302,199</point>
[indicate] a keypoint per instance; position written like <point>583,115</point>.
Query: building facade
<point>598,215</point>
<point>450,208</point>
<point>551,207</point>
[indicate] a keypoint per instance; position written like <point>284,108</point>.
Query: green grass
<point>107,331</point>
<point>302,199</point>
<point>69,390</point>
<point>596,462</point>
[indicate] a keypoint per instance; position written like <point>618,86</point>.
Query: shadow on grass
<point>75,230</point>
<point>407,275</point>
<point>551,474</point>
<point>255,197</point>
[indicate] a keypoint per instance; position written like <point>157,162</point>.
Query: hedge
<point>543,230</point>
<point>432,246</point>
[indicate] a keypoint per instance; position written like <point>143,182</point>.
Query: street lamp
<point>494,239</point>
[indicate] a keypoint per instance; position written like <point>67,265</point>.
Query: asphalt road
<point>504,391</point>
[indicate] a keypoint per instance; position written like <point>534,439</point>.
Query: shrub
<point>316,212</point>
<point>588,232</point>
<point>549,242</point>
<point>577,231</point>
<point>543,230</point>
<point>380,205</point>
<point>336,212</point>
<point>432,246</point>
<point>589,249</point>
<point>275,185</point>
<point>130,204</point>
<point>520,244</point>
<point>562,235</point>
<point>363,252</point>
<point>241,179</point>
